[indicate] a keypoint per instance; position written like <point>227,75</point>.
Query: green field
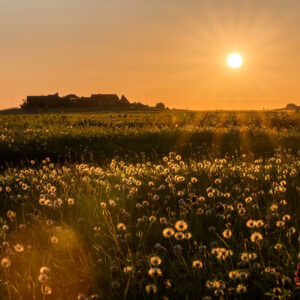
<point>135,135</point>
<point>150,205</point>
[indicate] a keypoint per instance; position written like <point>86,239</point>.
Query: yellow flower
<point>5,262</point>
<point>256,237</point>
<point>181,225</point>
<point>168,232</point>
<point>155,272</point>
<point>19,248</point>
<point>197,264</point>
<point>155,261</point>
<point>227,233</point>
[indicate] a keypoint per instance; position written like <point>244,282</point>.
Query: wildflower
<point>209,284</point>
<point>243,275</point>
<point>280,224</point>
<point>46,290</point>
<point>242,211</point>
<point>256,237</point>
<point>178,157</point>
<point>221,253</point>
<point>155,272</point>
<point>278,246</point>
<point>241,288</point>
<point>121,227</point>
<point>177,249</point>
<point>5,262</point>
<point>259,223</point>
<point>71,201</point>
<point>248,200</point>
<point>155,261</point>
<point>19,248</point>
<point>158,246</point>
<point>155,198</point>
<point>151,288</point>
<point>49,222</point>
<point>202,248</point>
<point>43,278</point>
<point>44,270</point>
<point>291,231</point>
<point>58,228</point>
<point>54,240</point>
<point>152,219</point>
<point>168,232</point>
<point>227,233</point>
<point>197,264</point>
<point>163,220</point>
<point>179,235</point>
<point>167,283</point>
<point>274,207</point>
<point>193,180</point>
<point>81,297</point>
<point>180,193</point>
<point>127,269</point>
<point>233,275</point>
<point>211,229</point>
<point>270,270</point>
<point>115,284</point>
<point>11,215</point>
<point>188,235</point>
<point>112,203</point>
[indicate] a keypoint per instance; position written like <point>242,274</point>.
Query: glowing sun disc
<point>234,60</point>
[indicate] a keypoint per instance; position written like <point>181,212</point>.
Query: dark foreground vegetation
<point>145,205</point>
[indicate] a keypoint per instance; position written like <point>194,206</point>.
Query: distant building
<point>292,106</point>
<point>124,101</point>
<point>105,99</point>
<point>43,101</point>
<point>71,100</point>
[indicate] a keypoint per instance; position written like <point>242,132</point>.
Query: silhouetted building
<point>105,99</point>
<point>124,101</point>
<point>71,100</point>
<point>71,97</point>
<point>43,101</point>
<point>292,106</point>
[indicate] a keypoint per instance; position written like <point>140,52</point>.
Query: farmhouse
<point>95,100</point>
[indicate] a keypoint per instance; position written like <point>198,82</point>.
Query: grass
<point>102,136</point>
<point>98,206</point>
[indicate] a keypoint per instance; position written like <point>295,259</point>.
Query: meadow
<point>150,205</point>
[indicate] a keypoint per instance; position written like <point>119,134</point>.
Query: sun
<point>234,60</point>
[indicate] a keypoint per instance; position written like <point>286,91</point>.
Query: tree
<point>160,105</point>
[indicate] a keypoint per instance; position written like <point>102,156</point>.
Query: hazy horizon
<point>152,51</point>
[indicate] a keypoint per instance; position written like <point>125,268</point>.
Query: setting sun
<point>234,60</point>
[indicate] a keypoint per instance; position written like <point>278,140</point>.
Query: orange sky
<point>160,50</point>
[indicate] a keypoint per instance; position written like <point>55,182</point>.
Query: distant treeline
<point>95,100</point>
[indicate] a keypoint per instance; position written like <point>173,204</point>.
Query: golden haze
<point>170,51</point>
